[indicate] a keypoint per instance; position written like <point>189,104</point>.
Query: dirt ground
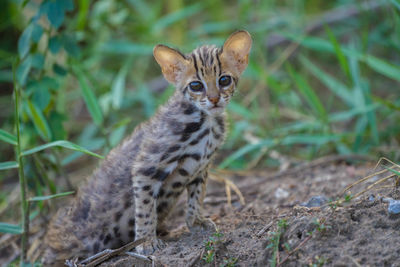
<point>276,225</point>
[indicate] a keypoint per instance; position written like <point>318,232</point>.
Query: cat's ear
<point>173,63</point>
<point>236,50</point>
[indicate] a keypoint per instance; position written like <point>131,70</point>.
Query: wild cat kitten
<point>130,194</point>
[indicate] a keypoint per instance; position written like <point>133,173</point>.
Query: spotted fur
<point>130,195</point>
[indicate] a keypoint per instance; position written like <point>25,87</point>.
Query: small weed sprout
<point>275,239</point>
<point>211,246</point>
<point>230,262</point>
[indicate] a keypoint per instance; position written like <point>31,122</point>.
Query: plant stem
<point>22,181</point>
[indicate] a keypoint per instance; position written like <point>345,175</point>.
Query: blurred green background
<point>323,77</point>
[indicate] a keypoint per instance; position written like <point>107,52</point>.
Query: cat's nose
<point>214,99</point>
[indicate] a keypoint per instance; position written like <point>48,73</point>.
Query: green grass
<point>87,76</point>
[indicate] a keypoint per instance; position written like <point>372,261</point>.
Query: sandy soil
<point>274,227</point>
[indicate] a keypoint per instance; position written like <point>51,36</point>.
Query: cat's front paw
<point>201,221</point>
<point>150,246</point>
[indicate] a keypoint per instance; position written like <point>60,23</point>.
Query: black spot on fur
<point>146,201</point>
<point>82,211</point>
<point>163,205</point>
<point>216,135</point>
<point>148,171</point>
<point>165,156</point>
<point>131,222</point>
<point>160,175</point>
<point>154,148</point>
<point>96,247</point>
<point>174,159</point>
<point>191,195</point>
<point>190,128</point>
<point>116,231</point>
<point>193,156</point>
<point>196,181</point>
<point>183,172</point>
<point>169,194</point>
<point>131,234</point>
<point>200,137</point>
<point>127,204</point>
<point>173,148</point>
<point>188,108</point>
<point>220,122</point>
<point>146,187</point>
<point>107,239</point>
<point>161,193</point>
<point>118,216</point>
<point>177,185</point>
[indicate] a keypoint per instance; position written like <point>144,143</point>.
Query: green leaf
<point>306,139</point>
<point>7,137</point>
<point>244,150</point>
<point>126,47</point>
<point>382,67</point>
<point>54,44</point>
<point>176,16</point>
<point>309,94</point>
<point>396,4</point>
<point>56,120</point>
<point>55,13</point>
<point>59,70</point>
<point>10,228</point>
<point>23,70</point>
<point>41,97</point>
<point>118,86</point>
<point>336,87</point>
<point>70,45</point>
<point>61,143</point>
<point>8,165</point>
<point>67,5</point>
<point>24,42</point>
<point>39,121</point>
<point>41,198</point>
<point>338,50</point>
<point>89,97</point>
<point>37,32</point>
<point>392,170</point>
<point>37,61</point>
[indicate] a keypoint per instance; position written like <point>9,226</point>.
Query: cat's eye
<point>196,86</point>
<point>225,80</point>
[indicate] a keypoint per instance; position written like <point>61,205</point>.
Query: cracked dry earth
<point>360,232</point>
<point>357,233</point>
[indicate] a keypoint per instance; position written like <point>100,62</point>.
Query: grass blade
<point>8,165</point>
<point>41,198</point>
<point>338,50</point>
<point>61,143</point>
<point>309,94</point>
<point>8,138</point>
<point>89,97</point>
<point>173,17</point>
<point>10,228</point>
<point>40,122</point>
<point>244,150</point>
<point>336,87</point>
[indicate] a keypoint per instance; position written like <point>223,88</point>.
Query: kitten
<point>130,194</point>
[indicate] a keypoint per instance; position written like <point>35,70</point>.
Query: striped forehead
<point>206,60</point>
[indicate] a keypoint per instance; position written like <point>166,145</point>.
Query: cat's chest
<point>201,146</point>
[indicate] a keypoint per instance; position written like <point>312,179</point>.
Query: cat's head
<point>208,76</point>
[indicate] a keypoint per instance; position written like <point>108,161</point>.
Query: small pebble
<point>371,198</point>
<point>315,201</point>
<point>394,207</point>
<point>281,193</point>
